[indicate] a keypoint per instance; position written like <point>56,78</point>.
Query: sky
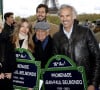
<point>26,8</point>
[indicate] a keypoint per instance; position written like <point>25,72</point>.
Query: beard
<point>41,19</point>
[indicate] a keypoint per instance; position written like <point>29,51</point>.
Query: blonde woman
<point>22,36</point>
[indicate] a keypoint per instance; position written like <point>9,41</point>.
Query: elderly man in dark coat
<point>43,42</point>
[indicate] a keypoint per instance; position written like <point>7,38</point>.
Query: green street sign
<point>27,74</point>
<point>61,73</point>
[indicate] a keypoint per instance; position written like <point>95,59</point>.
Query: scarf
<point>25,42</point>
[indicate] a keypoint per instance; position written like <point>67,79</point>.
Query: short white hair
<point>74,12</point>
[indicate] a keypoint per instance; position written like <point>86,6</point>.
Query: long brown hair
<point>15,35</point>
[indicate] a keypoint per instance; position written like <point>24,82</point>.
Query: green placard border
<point>32,61</point>
<point>81,69</point>
<point>58,57</point>
<point>28,52</point>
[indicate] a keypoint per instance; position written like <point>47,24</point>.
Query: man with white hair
<point>79,44</point>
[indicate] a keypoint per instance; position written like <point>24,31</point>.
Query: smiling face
<point>24,29</point>
<point>41,34</point>
<point>41,14</point>
<point>67,16</point>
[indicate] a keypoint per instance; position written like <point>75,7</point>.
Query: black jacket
<point>83,48</point>
<point>40,54</point>
<point>7,56</point>
<point>7,31</point>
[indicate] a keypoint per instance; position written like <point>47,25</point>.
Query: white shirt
<point>68,34</point>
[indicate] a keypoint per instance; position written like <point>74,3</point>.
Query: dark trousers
<point>6,84</point>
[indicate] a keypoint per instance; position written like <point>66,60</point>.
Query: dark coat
<point>83,48</point>
<point>7,31</point>
<point>8,55</point>
<point>40,54</point>
<point>7,61</point>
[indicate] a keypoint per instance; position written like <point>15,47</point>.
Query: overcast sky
<point>25,8</point>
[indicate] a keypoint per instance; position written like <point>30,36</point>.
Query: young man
<point>79,44</point>
<point>41,12</point>
<point>41,15</point>
<point>8,25</point>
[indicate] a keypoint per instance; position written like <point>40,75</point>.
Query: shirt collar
<point>68,34</point>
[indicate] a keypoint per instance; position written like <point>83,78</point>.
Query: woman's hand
<point>2,76</point>
<point>8,75</point>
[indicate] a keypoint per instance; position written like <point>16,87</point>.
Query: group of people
<point>72,40</point>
